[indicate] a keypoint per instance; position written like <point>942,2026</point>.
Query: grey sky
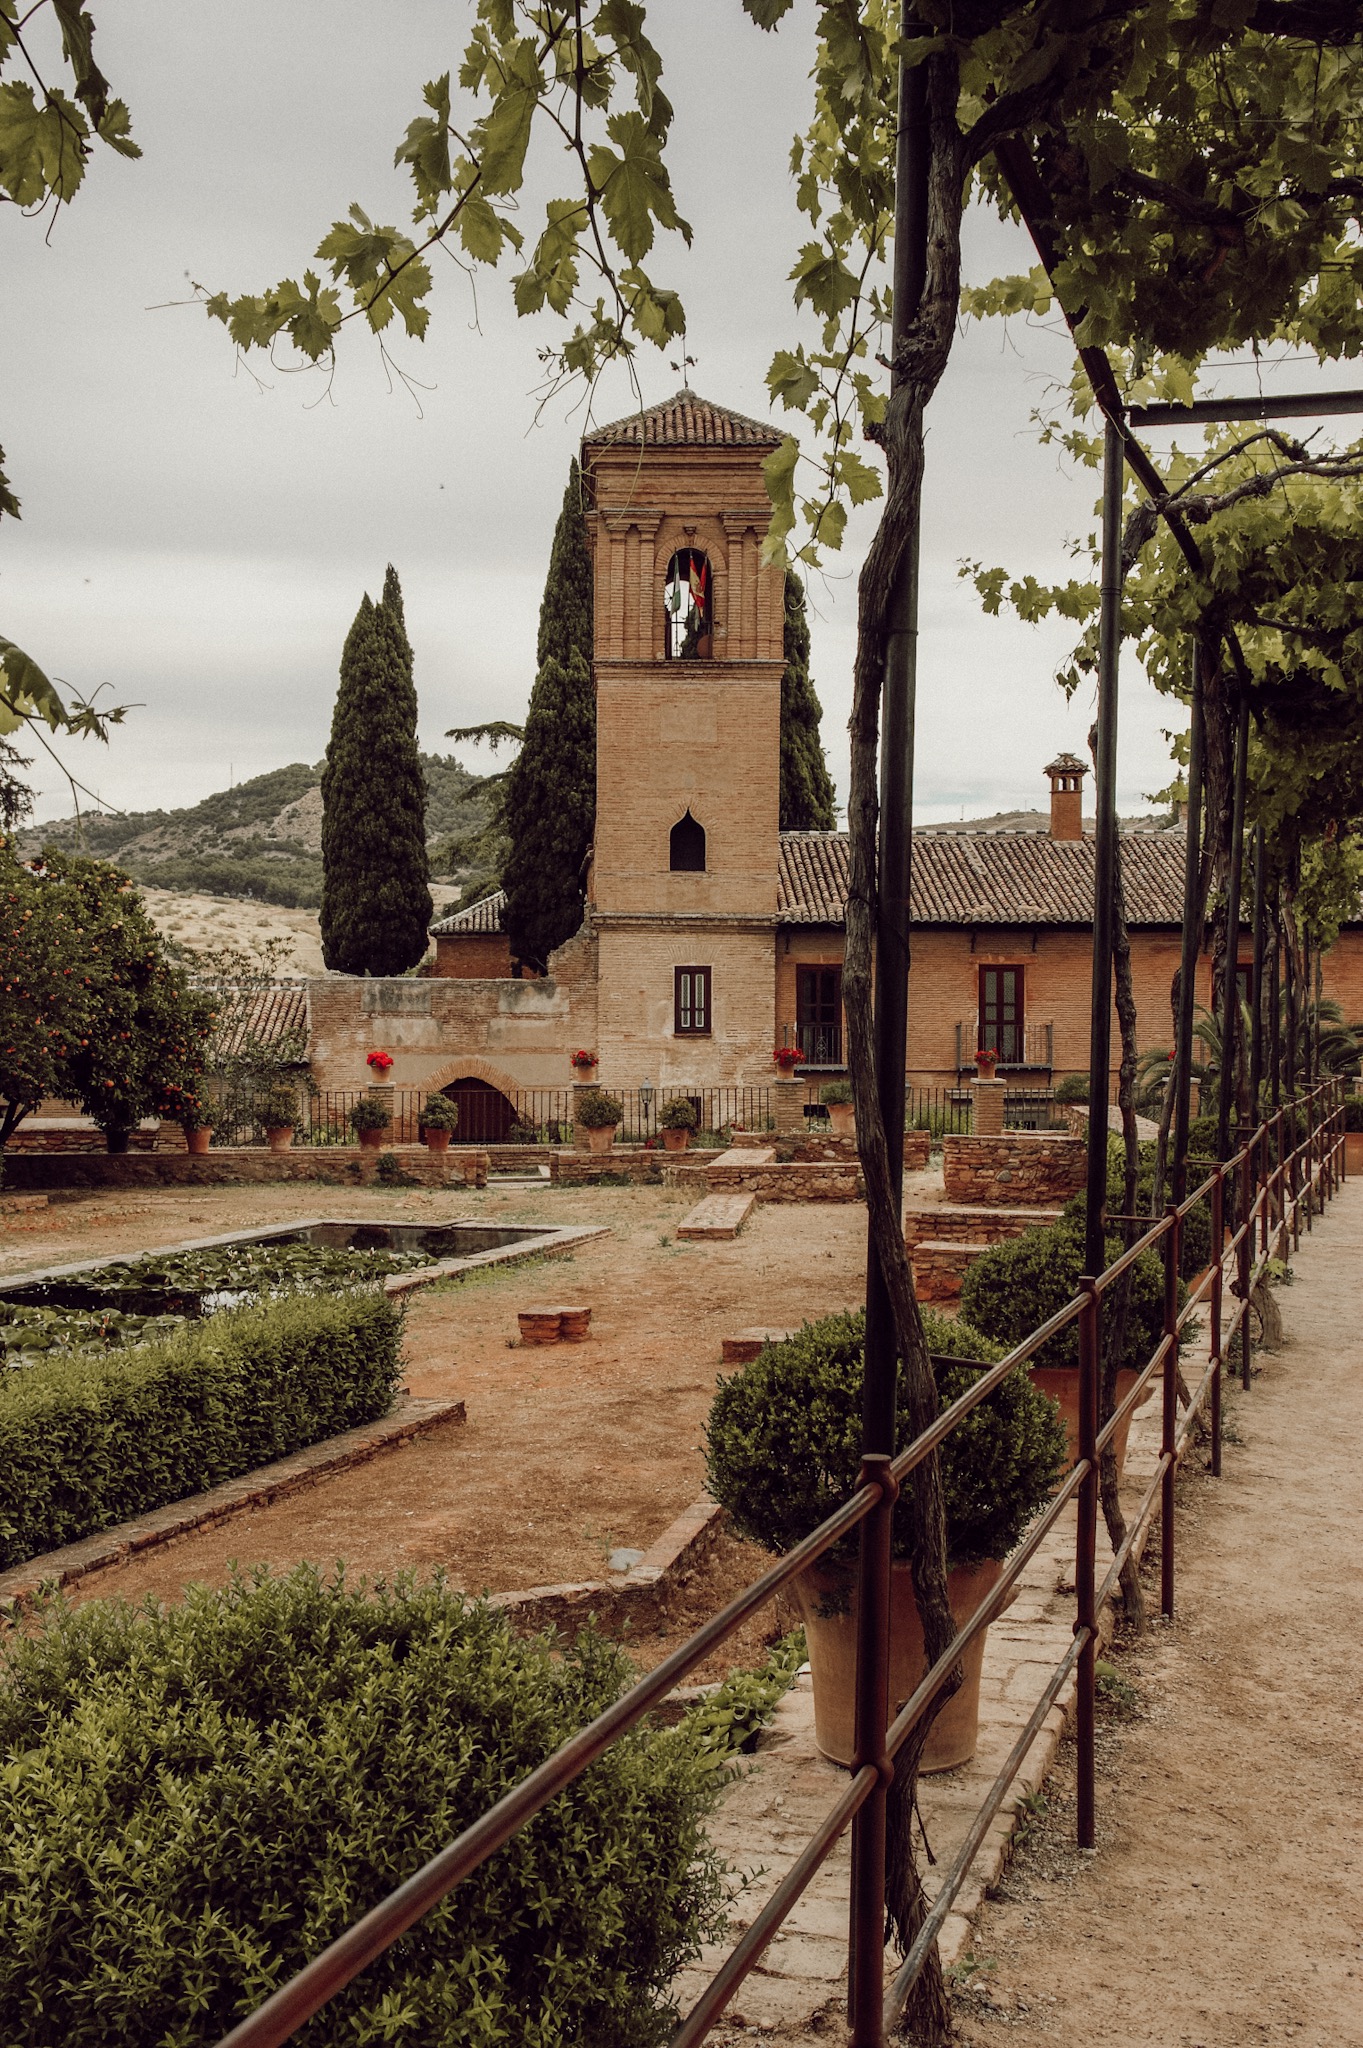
<point>201,544</point>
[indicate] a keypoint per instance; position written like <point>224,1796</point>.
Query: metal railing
<point>523,1116</point>
<point>1018,1045</point>
<point>1283,1173</point>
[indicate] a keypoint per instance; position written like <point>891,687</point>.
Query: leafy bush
<point>369,1115</point>
<point>439,1113</point>
<point>87,1442</point>
<point>1353,1112</point>
<point>834,1092</point>
<point>678,1115</point>
<point>278,1108</point>
<point>1071,1088</point>
<point>733,1716</point>
<point>784,1441</point>
<point>1196,1246</point>
<point>1018,1284</point>
<point>210,1794</point>
<point>597,1111</point>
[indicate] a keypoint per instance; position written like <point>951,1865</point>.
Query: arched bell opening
<point>688,606</point>
<point>686,847</point>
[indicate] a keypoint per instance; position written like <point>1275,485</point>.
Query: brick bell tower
<point>688,661</point>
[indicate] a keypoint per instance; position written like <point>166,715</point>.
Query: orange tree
<point>91,1010</point>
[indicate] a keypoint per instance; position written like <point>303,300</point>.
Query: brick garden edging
<point>644,1593</point>
<point>412,1417</point>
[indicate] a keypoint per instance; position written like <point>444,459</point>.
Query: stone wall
<point>782,1181</point>
<point>234,1166</point>
<point>573,1169</point>
<point>958,1224</point>
<point>1021,1169</point>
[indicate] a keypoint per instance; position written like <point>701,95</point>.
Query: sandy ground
<point>203,922</point>
<point>568,1451</point>
<point>1224,1904</point>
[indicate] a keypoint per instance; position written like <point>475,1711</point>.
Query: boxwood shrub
<point>784,1441</point>
<point>200,1799</point>
<point>90,1441</point>
<point>1016,1285</point>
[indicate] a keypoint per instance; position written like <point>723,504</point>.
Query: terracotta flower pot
<point>199,1139</point>
<point>676,1141</point>
<point>1061,1382</point>
<point>843,1117</point>
<point>1353,1151</point>
<point>370,1141</point>
<point>279,1137</point>
<point>985,1065</point>
<point>601,1138</point>
<point>437,1141</point>
<point>832,1640</point>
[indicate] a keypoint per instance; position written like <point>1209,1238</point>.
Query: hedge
<point>200,1799</point>
<point>1019,1284</point>
<point>88,1442</point>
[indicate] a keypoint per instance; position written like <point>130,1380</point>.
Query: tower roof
<point>685,420</point>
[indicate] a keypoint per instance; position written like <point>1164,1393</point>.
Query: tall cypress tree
<point>549,800</point>
<point>807,803</point>
<point>376,906</point>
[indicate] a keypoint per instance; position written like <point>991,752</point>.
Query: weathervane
<point>687,363</point>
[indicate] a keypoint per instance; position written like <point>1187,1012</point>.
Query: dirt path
<point>1224,1904</point>
<point>567,1451</point>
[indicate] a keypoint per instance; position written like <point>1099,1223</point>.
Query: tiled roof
<point>686,421</point>
<point>1000,878</point>
<point>274,1014</point>
<point>485,916</point>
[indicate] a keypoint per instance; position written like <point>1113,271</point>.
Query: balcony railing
<point>1027,1045</point>
<point>821,1044</point>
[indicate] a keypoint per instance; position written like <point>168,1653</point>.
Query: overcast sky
<point>200,543</point>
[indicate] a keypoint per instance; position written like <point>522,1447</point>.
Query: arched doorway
<point>485,1114</point>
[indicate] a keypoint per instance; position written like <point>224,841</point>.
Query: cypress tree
<point>549,799</point>
<point>807,803</point>
<point>376,907</point>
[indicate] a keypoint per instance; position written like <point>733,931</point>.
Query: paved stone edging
<point>413,1416</point>
<point>644,1592</point>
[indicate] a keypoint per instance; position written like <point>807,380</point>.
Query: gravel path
<point>1224,1905</point>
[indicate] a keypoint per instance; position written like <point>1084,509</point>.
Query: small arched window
<point>687,851</point>
<point>688,606</point>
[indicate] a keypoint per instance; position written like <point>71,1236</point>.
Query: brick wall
<point>1022,1169</point>
<point>473,956</point>
<point>636,1015</point>
<point>571,1169</point>
<point>815,1181</point>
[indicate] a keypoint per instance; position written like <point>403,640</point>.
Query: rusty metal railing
<point>1281,1177</point>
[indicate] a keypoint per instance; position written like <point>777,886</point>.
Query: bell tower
<point>688,660</point>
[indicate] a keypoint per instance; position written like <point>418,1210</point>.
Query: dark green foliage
<point>369,1114</point>
<point>807,800</point>
<point>1202,1138</point>
<point>784,1441</point>
<point>88,1442</point>
<point>548,805</point>
<point>1353,1112</point>
<point>210,1794</point>
<point>678,1115</point>
<point>1196,1248</point>
<point>596,1110</point>
<point>439,1113</point>
<point>734,1714</point>
<point>1071,1088</point>
<point>1017,1285</point>
<point>376,906</point>
<point>834,1092</point>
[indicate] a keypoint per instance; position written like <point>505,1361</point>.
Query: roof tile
<point>686,421</point>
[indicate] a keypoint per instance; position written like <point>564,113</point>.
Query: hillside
<point>261,839</point>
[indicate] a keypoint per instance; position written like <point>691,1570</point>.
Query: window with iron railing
<point>818,1015</point>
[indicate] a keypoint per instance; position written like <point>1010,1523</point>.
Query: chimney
<point>1067,774</point>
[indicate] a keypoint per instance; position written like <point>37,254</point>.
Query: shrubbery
<point>87,1442</point>
<point>784,1441</point>
<point>597,1111</point>
<point>439,1113</point>
<point>1018,1284</point>
<point>1071,1088</point>
<point>678,1115</point>
<point>210,1794</point>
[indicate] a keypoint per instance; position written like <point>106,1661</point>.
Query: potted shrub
<point>986,1061</point>
<point>438,1122</point>
<point>369,1120</point>
<point>599,1113</point>
<point>784,1446</point>
<point>278,1113</point>
<point>836,1097</point>
<point>676,1121</point>
<point>1015,1286</point>
<point>199,1122</point>
<point>1353,1134</point>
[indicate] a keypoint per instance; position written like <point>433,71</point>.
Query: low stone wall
<point>822,1145</point>
<point>1020,1169</point>
<point>781,1181</point>
<point>938,1269</point>
<point>67,1137</point>
<point>956,1223</point>
<point>238,1165</point>
<point>572,1169</point>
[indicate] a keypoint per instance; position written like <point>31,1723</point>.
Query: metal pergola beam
<point>1300,405</point>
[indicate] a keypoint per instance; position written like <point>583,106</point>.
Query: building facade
<point>710,937</point>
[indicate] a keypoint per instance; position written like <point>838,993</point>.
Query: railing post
<point>1244,1259</point>
<point>1169,1431</point>
<point>1263,1198</point>
<point>1085,1559</point>
<point>1218,1268</point>
<point>866,1944</point>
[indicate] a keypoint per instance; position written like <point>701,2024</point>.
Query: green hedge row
<point>199,1799</point>
<point>86,1443</point>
